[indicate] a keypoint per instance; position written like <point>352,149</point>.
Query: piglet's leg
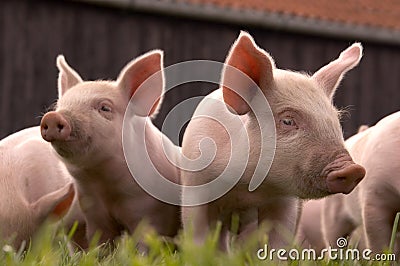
<point>196,219</point>
<point>98,221</point>
<point>282,214</point>
<point>378,222</point>
<point>105,228</point>
<point>248,221</point>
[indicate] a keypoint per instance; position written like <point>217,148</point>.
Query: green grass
<point>50,247</point>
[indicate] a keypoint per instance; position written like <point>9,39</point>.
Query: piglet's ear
<point>67,77</point>
<point>256,66</point>
<point>143,80</point>
<point>329,76</point>
<point>56,203</point>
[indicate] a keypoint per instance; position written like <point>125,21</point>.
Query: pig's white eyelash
<point>344,113</point>
<point>52,107</point>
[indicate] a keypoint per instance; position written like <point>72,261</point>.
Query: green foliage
<point>50,247</point>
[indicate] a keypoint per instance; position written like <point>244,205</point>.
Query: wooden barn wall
<point>98,41</point>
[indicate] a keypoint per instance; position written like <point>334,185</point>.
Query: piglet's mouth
<point>345,179</point>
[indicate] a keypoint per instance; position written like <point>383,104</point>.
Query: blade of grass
<point>394,232</point>
<point>73,230</point>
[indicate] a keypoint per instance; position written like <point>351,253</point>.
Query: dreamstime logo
<point>341,242</point>
<point>309,254</point>
<point>151,174</point>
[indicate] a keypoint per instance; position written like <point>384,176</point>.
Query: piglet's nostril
<point>60,127</point>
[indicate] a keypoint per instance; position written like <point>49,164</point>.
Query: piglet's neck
<point>105,171</point>
<point>149,142</point>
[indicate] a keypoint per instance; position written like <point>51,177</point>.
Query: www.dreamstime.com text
<point>309,254</point>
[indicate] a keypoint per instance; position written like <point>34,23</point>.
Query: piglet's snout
<point>54,127</point>
<point>345,178</point>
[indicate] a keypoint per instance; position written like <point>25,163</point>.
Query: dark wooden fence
<point>98,41</point>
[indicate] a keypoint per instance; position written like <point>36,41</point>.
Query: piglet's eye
<point>105,108</point>
<point>288,122</point>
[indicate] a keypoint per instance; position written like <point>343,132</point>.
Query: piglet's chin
<point>62,150</point>
<point>345,179</point>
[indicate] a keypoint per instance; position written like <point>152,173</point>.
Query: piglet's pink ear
<point>143,80</point>
<point>256,66</point>
<point>56,203</point>
<point>67,77</point>
<point>329,76</point>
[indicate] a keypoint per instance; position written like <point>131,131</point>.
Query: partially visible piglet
<point>309,231</point>
<point>86,131</point>
<point>34,184</point>
<point>310,160</point>
<point>375,202</point>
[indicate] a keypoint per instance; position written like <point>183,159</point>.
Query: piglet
<point>34,185</point>
<point>86,131</point>
<point>374,203</point>
<point>310,159</point>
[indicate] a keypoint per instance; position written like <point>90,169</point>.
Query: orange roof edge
<point>341,19</point>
